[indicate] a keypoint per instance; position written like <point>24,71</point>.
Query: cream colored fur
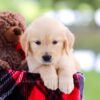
<point>59,72</point>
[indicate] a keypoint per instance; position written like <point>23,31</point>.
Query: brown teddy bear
<point>12,26</point>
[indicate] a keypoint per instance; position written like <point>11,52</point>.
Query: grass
<point>92,86</point>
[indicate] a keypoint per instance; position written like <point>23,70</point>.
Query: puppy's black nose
<point>17,31</point>
<point>46,58</point>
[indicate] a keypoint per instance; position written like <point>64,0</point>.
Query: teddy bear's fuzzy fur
<point>12,26</point>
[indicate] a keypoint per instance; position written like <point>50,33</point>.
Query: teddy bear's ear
<point>24,42</point>
<point>69,40</point>
<point>3,25</point>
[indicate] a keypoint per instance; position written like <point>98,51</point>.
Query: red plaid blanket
<point>22,85</point>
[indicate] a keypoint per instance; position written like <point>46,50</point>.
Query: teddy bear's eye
<point>38,42</point>
<point>55,42</point>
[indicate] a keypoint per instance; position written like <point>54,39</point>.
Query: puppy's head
<point>46,40</point>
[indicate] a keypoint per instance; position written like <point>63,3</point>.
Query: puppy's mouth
<point>46,63</point>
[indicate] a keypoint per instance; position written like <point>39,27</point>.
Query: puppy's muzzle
<point>46,58</point>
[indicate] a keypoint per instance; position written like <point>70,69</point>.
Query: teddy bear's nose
<point>17,31</point>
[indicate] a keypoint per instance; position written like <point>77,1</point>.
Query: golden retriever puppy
<point>48,47</point>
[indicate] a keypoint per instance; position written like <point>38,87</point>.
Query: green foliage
<point>28,8</point>
<point>85,6</point>
<point>88,41</point>
<point>33,8</point>
<point>6,5</point>
<point>72,3</point>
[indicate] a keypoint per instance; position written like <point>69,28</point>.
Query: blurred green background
<point>86,30</point>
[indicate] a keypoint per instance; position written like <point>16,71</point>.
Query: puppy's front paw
<point>50,81</point>
<point>49,76</point>
<point>66,85</point>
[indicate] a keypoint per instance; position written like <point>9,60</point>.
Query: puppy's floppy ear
<point>25,43</point>
<point>69,40</point>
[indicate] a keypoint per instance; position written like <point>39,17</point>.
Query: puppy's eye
<point>55,42</point>
<point>38,42</point>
